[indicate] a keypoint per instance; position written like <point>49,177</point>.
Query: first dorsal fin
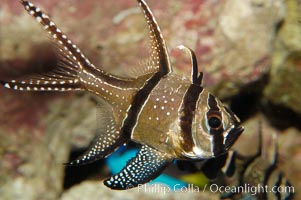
<point>159,54</point>
<point>196,77</point>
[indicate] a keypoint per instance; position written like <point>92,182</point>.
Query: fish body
<point>170,116</point>
<point>162,113</point>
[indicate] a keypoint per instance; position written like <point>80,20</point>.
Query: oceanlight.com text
<point>214,188</point>
<point>251,189</point>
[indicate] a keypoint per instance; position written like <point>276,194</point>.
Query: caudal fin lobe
<point>41,83</point>
<point>71,62</point>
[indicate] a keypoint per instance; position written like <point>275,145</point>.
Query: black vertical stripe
<point>277,185</point>
<point>164,68</point>
<point>231,164</point>
<point>217,144</point>
<point>218,138</point>
<point>267,175</point>
<point>138,101</point>
<point>187,114</point>
<point>289,194</point>
<point>212,103</point>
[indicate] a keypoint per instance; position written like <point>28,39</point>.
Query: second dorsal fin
<point>159,54</point>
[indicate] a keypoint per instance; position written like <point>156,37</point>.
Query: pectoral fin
<point>147,165</point>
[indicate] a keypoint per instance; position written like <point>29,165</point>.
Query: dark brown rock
<point>35,155</point>
<point>285,74</point>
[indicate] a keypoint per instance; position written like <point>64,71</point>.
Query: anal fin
<point>104,144</point>
<point>147,165</point>
<point>100,148</point>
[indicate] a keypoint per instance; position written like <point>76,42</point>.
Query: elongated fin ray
<point>196,77</point>
<point>147,165</point>
<point>159,54</point>
<point>66,48</point>
<point>42,83</point>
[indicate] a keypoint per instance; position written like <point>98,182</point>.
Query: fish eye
<point>214,121</point>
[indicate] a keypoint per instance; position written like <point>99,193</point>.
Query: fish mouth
<point>229,140</point>
<point>235,131</point>
<point>233,135</point>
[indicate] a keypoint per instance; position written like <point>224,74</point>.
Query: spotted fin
<point>159,55</point>
<point>70,64</point>
<point>147,165</point>
<point>106,141</point>
<point>45,82</point>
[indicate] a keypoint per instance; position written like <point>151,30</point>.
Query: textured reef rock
<point>234,42</point>
<point>285,75</point>
<point>32,155</point>
<point>95,190</point>
<point>233,39</point>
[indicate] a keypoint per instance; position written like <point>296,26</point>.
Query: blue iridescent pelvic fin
<point>147,165</point>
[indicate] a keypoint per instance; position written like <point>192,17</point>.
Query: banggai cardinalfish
<point>170,116</point>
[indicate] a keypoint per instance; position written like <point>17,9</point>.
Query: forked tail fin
<point>66,76</point>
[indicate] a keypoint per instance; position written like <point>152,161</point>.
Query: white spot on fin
<point>6,85</point>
